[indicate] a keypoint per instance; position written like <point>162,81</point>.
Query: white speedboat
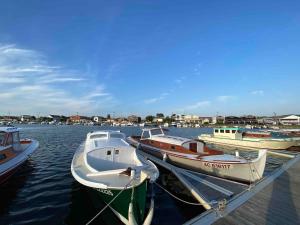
<point>110,166</point>
<point>13,151</point>
<point>194,155</point>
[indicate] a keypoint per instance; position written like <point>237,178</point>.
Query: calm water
<point>44,192</point>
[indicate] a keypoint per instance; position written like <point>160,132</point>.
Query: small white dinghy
<point>106,163</point>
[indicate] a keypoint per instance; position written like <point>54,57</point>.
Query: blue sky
<point>143,57</point>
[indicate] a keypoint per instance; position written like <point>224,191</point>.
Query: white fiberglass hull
<point>82,173</point>
<point>252,143</point>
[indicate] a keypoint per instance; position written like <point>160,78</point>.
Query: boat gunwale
<point>197,159</point>
<point>249,139</point>
<point>93,184</point>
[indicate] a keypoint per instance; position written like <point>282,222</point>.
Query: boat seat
<point>110,159</point>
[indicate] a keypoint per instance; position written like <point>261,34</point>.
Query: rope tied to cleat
<point>184,201</point>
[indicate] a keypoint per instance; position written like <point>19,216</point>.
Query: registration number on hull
<point>217,165</point>
<point>105,191</point>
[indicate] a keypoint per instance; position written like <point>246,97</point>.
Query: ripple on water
<point>44,191</point>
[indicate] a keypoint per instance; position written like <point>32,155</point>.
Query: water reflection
<point>44,191</point>
<point>10,189</point>
<point>84,205</point>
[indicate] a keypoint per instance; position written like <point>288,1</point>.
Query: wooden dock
<point>274,200</point>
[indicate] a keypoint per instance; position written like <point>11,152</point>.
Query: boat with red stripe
<point>13,151</point>
<point>195,155</point>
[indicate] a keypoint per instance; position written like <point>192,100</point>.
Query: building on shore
<point>159,118</point>
<point>79,119</point>
<point>191,119</point>
<point>205,119</point>
<point>249,119</point>
<point>267,121</point>
<point>290,120</point>
<point>134,119</point>
<point>55,118</point>
<point>181,118</point>
<point>5,120</point>
<point>98,119</point>
<point>218,120</point>
<point>27,118</point>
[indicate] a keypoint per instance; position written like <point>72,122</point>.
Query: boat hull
<point>245,172</point>
<point>8,168</point>
<point>7,174</point>
<point>251,144</point>
<point>120,204</point>
<point>234,171</point>
<point>115,174</point>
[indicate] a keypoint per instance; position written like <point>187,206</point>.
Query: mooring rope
<point>174,196</point>
<point>126,186</point>
<point>220,205</point>
<point>251,170</point>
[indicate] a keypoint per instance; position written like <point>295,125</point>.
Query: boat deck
<point>275,200</point>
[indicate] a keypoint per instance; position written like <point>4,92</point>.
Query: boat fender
<point>262,153</point>
<point>237,154</point>
<point>165,157</point>
<point>131,219</point>
<point>149,217</point>
<point>132,173</point>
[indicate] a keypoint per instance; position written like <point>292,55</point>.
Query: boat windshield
<point>2,136</point>
<point>117,135</point>
<point>94,136</point>
<point>156,132</point>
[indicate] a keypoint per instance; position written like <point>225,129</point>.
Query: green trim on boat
<point>121,203</point>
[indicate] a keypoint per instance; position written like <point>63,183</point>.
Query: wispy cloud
<point>18,65</point>
<point>8,95</point>
<point>198,105</point>
<point>97,92</point>
<point>156,99</point>
<point>197,69</point>
<point>151,100</point>
<point>113,69</point>
<point>180,79</point>
<point>225,98</point>
<point>61,80</point>
<point>29,84</point>
<point>258,92</point>
<point>11,80</point>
